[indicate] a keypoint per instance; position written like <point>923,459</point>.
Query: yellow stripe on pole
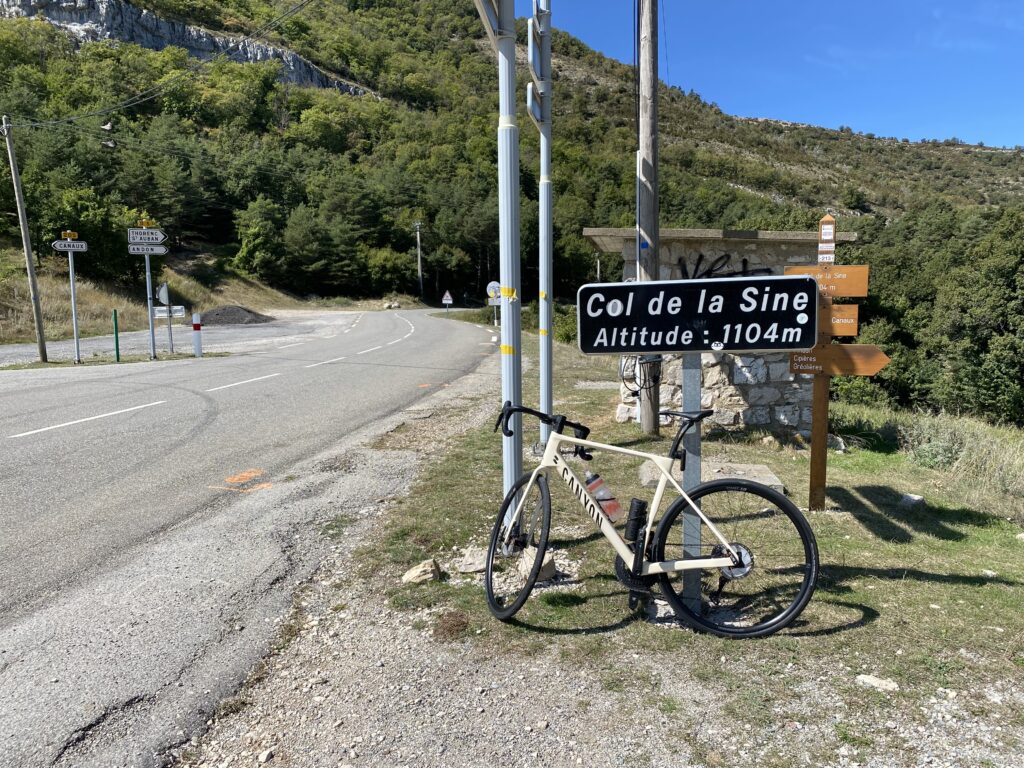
<point>509,293</point>
<point>507,350</point>
<point>543,331</point>
<point>543,294</point>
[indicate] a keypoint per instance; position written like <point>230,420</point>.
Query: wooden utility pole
<point>26,241</point>
<point>647,192</point>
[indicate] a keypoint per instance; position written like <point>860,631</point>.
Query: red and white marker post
<point>197,334</point>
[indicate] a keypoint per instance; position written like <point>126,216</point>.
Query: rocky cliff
<point>119,20</point>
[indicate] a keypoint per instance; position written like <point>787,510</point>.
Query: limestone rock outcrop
<point>119,20</point>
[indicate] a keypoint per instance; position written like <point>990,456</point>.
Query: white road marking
<point>90,418</point>
<point>297,343</point>
<point>247,381</point>
<point>325,362</point>
<point>372,349</point>
<point>395,341</point>
<point>494,339</point>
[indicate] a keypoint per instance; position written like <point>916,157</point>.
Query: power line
<point>156,90</point>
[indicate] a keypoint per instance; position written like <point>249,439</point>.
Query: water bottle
<point>599,490</point>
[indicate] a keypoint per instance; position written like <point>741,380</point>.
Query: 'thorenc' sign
<point>744,314</point>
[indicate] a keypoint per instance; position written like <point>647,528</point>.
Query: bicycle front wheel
<point>518,543</point>
<point>778,559</point>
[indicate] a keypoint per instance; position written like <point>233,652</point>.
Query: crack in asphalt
<point>79,736</point>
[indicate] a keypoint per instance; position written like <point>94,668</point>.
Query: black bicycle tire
<point>803,528</point>
<point>504,613</point>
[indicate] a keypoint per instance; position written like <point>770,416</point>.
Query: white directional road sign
<point>143,235</point>
<point>160,312</point>
<point>141,249</point>
<point>493,289</point>
<point>70,245</point>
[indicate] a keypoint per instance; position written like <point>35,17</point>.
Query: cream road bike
<point>731,557</point>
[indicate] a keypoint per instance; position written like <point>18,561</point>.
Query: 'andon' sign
<point>726,314</point>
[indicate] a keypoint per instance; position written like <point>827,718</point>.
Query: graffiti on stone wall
<point>721,266</point>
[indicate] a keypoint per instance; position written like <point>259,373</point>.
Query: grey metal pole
<point>170,332</point>
<point>647,183</point>
<point>149,306</point>
<point>419,258</point>
<point>26,242</point>
<point>74,307</point>
<point>508,225</point>
<point>691,385</point>
<point>544,83</point>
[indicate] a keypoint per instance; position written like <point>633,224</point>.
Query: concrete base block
<point>759,473</point>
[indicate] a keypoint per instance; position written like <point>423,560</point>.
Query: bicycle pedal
<point>637,599</point>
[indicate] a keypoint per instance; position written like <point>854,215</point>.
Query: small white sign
<point>70,245</point>
<point>493,302</point>
<point>161,312</point>
<point>828,231</point>
<point>494,289</point>
<point>140,249</point>
<point>447,298</point>
<point>142,235</point>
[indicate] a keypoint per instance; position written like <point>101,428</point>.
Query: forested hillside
<point>317,191</point>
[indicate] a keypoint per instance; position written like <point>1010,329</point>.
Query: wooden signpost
<point>827,359</point>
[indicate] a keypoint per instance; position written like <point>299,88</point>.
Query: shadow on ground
<point>878,509</point>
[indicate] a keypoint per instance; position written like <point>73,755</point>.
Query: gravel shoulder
<point>356,681</point>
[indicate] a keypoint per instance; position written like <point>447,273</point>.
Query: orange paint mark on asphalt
<point>424,386</point>
<point>243,482</point>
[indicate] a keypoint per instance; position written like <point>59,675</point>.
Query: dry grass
<point>200,283</point>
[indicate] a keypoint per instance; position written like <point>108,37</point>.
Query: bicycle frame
<point>552,459</point>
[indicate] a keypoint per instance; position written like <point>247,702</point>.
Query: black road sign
<point>742,314</point>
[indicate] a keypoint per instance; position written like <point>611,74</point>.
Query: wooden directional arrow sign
<point>70,245</point>
<point>839,319</point>
<point>840,360</point>
<point>152,236</point>
<point>835,280</point>
<point>141,249</point>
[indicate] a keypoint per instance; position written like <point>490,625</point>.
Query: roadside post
<point>69,245</point>
<point>163,294</point>
<point>117,341</point>
<point>197,334</point>
<point>494,298</point>
<point>826,359</point>
<point>447,300</point>
<point>145,241</point>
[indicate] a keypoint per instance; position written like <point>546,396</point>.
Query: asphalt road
<point>156,518</point>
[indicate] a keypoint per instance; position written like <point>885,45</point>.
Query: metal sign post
<point>163,293</point>
<point>538,107</point>
<point>499,22</point>
<point>146,241</point>
<point>69,245</point>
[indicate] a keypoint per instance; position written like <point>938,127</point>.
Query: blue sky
<point>905,68</point>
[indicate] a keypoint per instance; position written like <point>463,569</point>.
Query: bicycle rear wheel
<point>518,543</point>
<point>778,565</point>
